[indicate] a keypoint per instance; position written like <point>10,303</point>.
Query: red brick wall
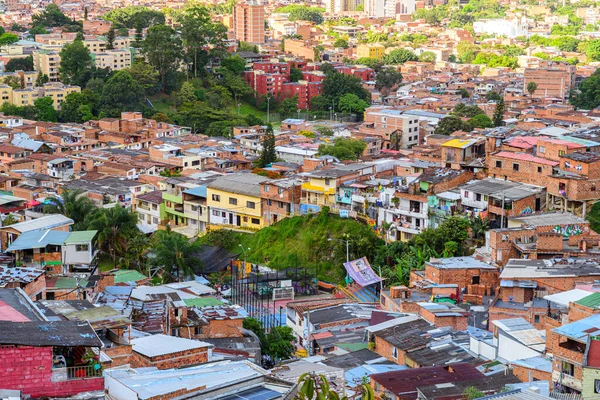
<point>35,287</point>
<point>173,360</point>
<point>522,374</point>
<point>461,277</point>
<point>499,313</point>
<point>120,355</point>
<point>29,369</point>
<point>385,349</point>
<point>578,312</point>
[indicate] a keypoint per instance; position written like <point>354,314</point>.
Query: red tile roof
<point>525,157</point>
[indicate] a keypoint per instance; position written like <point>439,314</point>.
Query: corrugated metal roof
<point>80,237</point>
<point>158,345</point>
<point>46,222</point>
<point>590,301</point>
<point>580,330</point>
<point>564,298</point>
<point>38,240</point>
<point>5,199</point>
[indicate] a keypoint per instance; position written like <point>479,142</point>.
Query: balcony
<point>75,373</point>
<point>343,199</point>
<point>565,379</point>
<point>172,198</point>
<point>319,189</point>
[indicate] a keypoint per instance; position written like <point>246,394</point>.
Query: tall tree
<point>75,64</point>
<point>145,75</point>
<point>387,79</point>
<point>176,255</point>
<point>121,93</point>
<point>498,116</point>
<point>110,38</point>
<point>139,36</point>
<point>73,204</point>
<point>41,79</point>
<point>186,94</point>
<point>531,88</point>
<point>268,154</point>
<point>23,64</point>
<point>199,33</point>
<point>85,13</point>
<point>163,50</point>
<point>44,109</point>
<point>115,227</point>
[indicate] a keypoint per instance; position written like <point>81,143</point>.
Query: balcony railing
<point>71,373</point>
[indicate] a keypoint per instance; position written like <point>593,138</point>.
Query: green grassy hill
<point>316,242</point>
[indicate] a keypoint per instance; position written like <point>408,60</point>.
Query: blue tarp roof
<point>580,330</point>
<point>38,240</point>
<point>199,191</point>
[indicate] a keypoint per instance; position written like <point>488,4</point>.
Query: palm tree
<point>72,204</point>
<point>175,254</point>
<point>136,252</point>
<point>9,220</point>
<point>478,227</point>
<point>115,227</point>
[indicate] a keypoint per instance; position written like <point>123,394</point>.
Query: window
<point>177,312</point>
<point>250,204</point>
<point>596,385</point>
<point>82,247</point>
<point>266,188</point>
<point>279,191</point>
<point>561,152</point>
<point>466,194</point>
<point>175,332</point>
<point>542,149</point>
<point>394,352</point>
<point>477,197</point>
<point>197,330</point>
<point>536,319</point>
<point>155,221</point>
<point>498,164</point>
<point>256,221</point>
<point>515,167</point>
<point>269,202</point>
<point>233,201</point>
<point>216,197</point>
<point>215,213</point>
<point>281,204</point>
<point>568,368</point>
<point>327,181</point>
<point>154,207</point>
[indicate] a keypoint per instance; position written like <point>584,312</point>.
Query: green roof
<point>80,237</point>
<point>353,346</point>
<point>69,283</point>
<point>591,301</point>
<point>203,302</point>
<point>128,275</point>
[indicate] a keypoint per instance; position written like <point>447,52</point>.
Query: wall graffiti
<point>568,230</point>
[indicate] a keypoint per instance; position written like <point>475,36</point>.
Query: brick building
<point>553,79</point>
<point>541,236</point>
<point>31,280</point>
<point>281,198</point>
<point>249,22</point>
<point>166,352</point>
<point>463,271</point>
<point>42,358</point>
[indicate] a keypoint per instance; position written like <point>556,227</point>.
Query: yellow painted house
<point>370,50</point>
<point>321,188</point>
<point>234,201</point>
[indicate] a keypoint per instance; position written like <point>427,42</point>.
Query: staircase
<point>359,294</point>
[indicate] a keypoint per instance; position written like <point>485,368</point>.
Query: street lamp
<point>245,256</point>
<point>299,113</point>
<point>330,113</point>
<point>238,107</point>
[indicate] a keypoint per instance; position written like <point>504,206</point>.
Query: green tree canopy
<point>176,255</point>
<point>351,103</point>
<point>343,149</point>
<point>450,124</point>
<point>399,56</point>
<point>44,109</point>
<point>268,154</point>
<point>51,17</point>
<point>134,16</point>
<point>480,121</point>
<point>73,204</point>
<point>19,64</point>
<point>163,50</point>
<point>115,227</point>
<point>387,79</point>
<point>75,64</point>
<point>121,93</point>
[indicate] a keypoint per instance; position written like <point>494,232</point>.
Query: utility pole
<point>268,110</point>
<point>502,215</point>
